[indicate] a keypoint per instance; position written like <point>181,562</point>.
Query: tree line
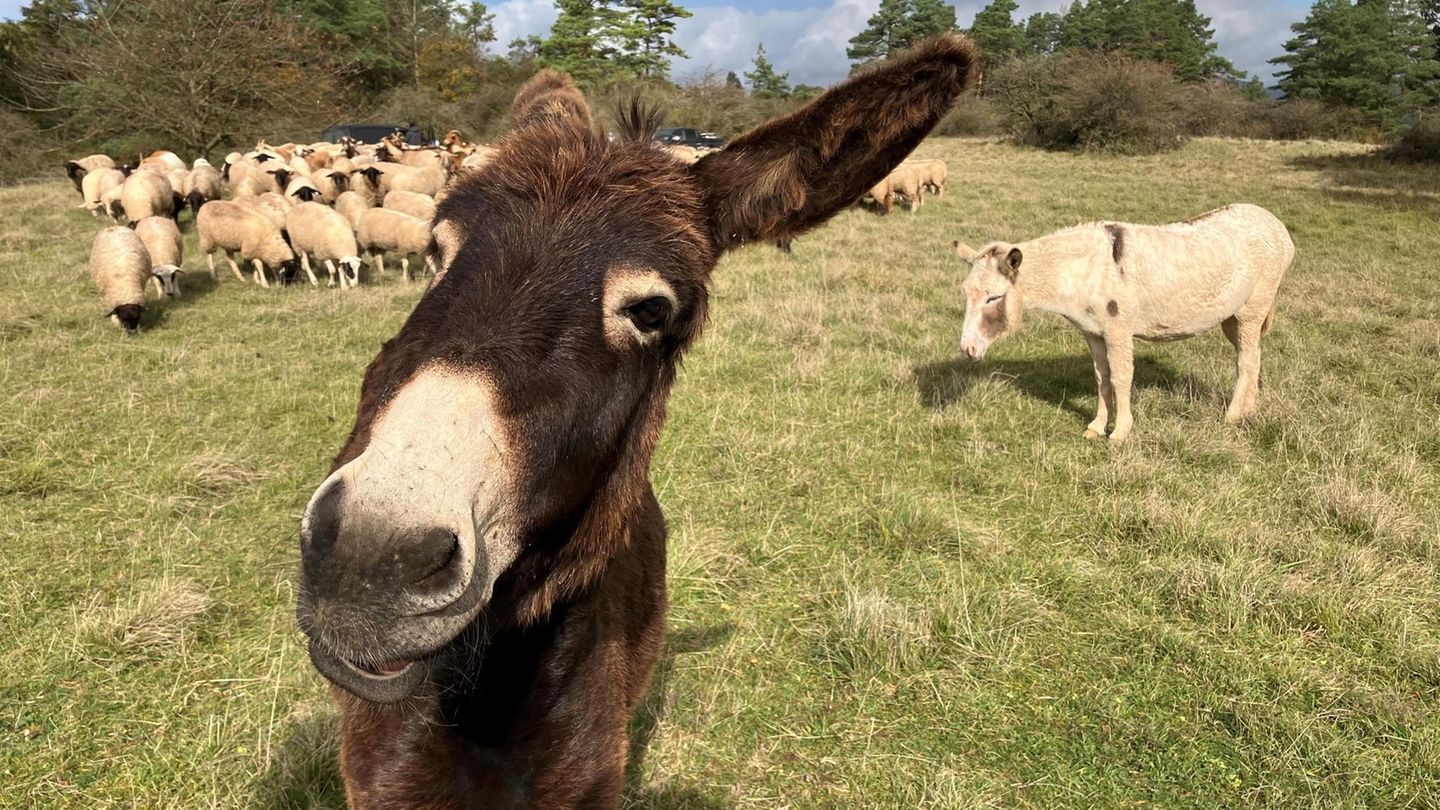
<point>123,74</point>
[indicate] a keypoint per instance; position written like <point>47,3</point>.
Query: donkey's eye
<point>650,314</point>
<point>992,299</point>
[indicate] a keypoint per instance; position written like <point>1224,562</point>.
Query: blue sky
<point>807,37</point>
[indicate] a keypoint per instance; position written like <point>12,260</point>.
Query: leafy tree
<point>1042,32</point>
<point>360,29</point>
<point>1373,56</point>
<point>733,81</point>
<point>764,81</point>
<point>897,25</point>
<point>647,35</point>
<point>997,34</point>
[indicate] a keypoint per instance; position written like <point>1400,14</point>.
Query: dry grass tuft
<point>156,615</point>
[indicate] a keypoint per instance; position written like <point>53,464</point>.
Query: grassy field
<point>898,579</point>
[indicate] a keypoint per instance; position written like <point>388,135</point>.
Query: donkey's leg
<point>1120,350</point>
<point>1247,327</point>
<point>1106,396</point>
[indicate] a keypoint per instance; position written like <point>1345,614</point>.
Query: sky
<point>807,38</point>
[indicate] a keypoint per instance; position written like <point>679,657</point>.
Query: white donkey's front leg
<point>1120,350</point>
<point>1106,396</point>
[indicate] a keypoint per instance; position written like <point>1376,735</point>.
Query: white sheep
<point>78,170</point>
<point>302,189</point>
<point>351,204</point>
<point>120,266</point>
<point>167,252</point>
<point>318,232</point>
<point>96,184</point>
<point>269,205</point>
<point>384,231</point>
<point>332,183</point>
<point>204,185</point>
<point>233,228</point>
<point>147,194</point>
<point>408,202</point>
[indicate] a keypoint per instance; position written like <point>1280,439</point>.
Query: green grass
<point>898,579</point>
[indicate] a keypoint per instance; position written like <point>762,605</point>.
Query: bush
<point>25,155</point>
<point>973,116</point>
<point>1091,101</point>
<point>1220,108</point>
<point>1419,144</point>
<point>1302,119</point>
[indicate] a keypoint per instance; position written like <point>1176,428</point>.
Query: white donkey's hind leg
<point>1244,330</point>
<point>1106,395</point>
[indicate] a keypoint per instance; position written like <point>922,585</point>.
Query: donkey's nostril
<point>321,527</point>
<point>438,551</point>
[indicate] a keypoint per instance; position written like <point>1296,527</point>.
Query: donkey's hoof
<point>1092,433</point>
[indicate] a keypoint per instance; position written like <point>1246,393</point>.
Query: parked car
<point>680,136</point>
<point>364,133</point>
<point>709,140</point>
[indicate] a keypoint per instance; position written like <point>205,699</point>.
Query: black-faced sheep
<point>232,228</point>
<point>120,266</point>
<point>76,170</point>
<point>318,233</point>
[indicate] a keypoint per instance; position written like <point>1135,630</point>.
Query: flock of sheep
<point>281,209</point>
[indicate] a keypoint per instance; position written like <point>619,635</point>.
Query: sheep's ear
<point>795,172</point>
<point>964,251</point>
<point>550,98</point>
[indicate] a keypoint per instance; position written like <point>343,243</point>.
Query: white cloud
<point>810,43</point>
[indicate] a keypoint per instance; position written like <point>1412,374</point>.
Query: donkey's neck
<point>1051,282</point>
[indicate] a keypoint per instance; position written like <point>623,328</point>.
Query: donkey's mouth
<point>388,682</point>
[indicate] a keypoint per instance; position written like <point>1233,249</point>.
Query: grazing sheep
<point>882,194</point>
<point>384,231</point>
<point>932,175</point>
<point>96,184</point>
<point>318,233</point>
<point>1117,282</point>
<point>344,165</point>
<point>120,267</point>
<point>167,252</point>
<point>147,194</point>
<point>351,204</point>
<point>382,178</point>
<point>163,161</point>
<point>408,202</point>
<point>205,185</point>
<point>478,158</point>
<point>111,205</point>
<point>278,175</point>
<point>269,205</point>
<point>332,183</point>
<point>235,229</point>
<point>77,170</point>
<point>908,181</point>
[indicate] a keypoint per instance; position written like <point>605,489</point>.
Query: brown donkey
<point>484,570</point>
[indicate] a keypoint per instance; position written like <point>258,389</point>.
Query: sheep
<point>110,203</point>
<point>76,170</point>
<point>382,231</point>
<point>162,241</point>
<point>408,202</point>
<point>932,174</point>
<point>331,183</point>
<point>231,227</point>
<point>1117,281</point>
<point>302,189</point>
<point>908,181</point>
<point>279,175</point>
<point>269,205</point>
<point>344,165</point>
<point>120,267</point>
<point>351,204</point>
<point>478,158</point>
<point>162,160</point>
<point>147,194</point>
<point>96,184</point>
<point>382,178</point>
<point>318,232</point>
<point>204,185</point>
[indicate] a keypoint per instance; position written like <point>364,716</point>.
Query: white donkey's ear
<point>964,251</point>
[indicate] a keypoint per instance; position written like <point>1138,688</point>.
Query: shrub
<point>1091,101</point>
<point>25,155</point>
<point>973,116</point>
<point>1222,108</point>
<point>1419,144</point>
<point>1301,119</point>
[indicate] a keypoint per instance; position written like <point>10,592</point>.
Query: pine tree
<point>733,82</point>
<point>1170,31</point>
<point>1373,56</point>
<point>997,34</point>
<point>647,37</point>
<point>764,81</point>
<point>477,25</point>
<point>580,42</point>
<point>1430,13</point>
<point>1042,32</point>
<point>897,25</point>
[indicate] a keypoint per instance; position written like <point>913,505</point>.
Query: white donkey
<point>1117,282</point>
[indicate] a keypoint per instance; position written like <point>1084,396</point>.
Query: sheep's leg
<point>405,268</point>
<point>234,268</point>
<point>1120,351</point>
<point>159,288</point>
<point>1244,335</point>
<point>1106,397</point>
<point>305,263</point>
<point>379,260</point>
<point>430,266</point>
<point>260,274</point>
<point>330,268</point>
<point>210,259</point>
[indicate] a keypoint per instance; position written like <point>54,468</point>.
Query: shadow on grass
<point>194,285</point>
<point>648,716</point>
<point>305,772</point>
<point>1371,178</point>
<point>1065,381</point>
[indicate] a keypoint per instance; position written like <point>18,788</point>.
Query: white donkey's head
<point>993,305</point>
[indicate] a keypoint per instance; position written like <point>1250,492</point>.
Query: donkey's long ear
<point>550,98</point>
<point>795,172</point>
